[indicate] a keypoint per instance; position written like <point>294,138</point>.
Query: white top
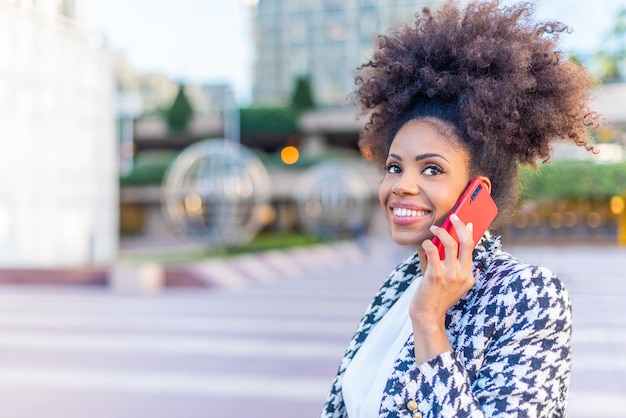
<point>367,374</point>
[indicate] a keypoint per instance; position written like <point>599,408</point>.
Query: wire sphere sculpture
<point>216,191</point>
<point>333,199</point>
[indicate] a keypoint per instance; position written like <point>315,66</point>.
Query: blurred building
<point>211,104</point>
<point>150,92</point>
<point>58,161</point>
<point>325,40</point>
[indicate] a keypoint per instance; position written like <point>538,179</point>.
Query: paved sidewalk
<point>267,347</point>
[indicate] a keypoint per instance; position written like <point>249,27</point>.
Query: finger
<point>465,237</point>
<point>431,251</point>
<point>449,243</point>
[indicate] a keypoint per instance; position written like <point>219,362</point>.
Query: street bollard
<point>136,279</point>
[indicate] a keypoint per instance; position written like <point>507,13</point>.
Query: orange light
<point>617,205</point>
<point>289,155</point>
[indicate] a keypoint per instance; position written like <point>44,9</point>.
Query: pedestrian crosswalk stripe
<point>596,405</point>
<point>167,382</point>
<point>160,344</point>
<point>178,324</point>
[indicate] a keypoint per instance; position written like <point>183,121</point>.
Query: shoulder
<point>506,270</point>
<point>500,273</point>
<point>523,288</point>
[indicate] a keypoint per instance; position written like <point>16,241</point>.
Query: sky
<point>191,40</point>
<point>210,41</point>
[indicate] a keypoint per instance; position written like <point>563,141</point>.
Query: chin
<point>407,241</point>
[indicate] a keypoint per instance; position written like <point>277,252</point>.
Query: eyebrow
<point>421,156</point>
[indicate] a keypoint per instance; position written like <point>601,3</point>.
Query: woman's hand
<point>442,285</point>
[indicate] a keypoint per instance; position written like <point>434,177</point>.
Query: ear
<point>487,182</point>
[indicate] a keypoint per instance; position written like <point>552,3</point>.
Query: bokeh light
<point>289,155</point>
<point>617,205</point>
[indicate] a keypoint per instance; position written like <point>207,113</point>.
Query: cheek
<point>383,192</point>
<point>446,204</point>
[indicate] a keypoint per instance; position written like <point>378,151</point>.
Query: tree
<point>180,113</point>
<point>302,98</point>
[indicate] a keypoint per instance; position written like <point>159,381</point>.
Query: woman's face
<point>425,174</point>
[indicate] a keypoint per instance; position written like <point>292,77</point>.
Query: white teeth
<point>402,212</point>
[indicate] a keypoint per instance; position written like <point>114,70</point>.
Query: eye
<point>432,170</point>
<point>392,168</point>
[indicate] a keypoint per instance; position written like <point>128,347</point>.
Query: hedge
<point>573,180</point>
<point>268,120</point>
<point>148,168</point>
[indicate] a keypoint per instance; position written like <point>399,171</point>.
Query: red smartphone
<point>476,206</point>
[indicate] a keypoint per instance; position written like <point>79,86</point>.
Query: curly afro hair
<point>490,73</point>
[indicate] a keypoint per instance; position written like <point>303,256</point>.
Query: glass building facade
<point>324,40</point>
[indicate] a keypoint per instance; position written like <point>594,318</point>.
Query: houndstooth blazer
<point>511,346</point>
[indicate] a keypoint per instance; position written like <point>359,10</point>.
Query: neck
<point>422,257</point>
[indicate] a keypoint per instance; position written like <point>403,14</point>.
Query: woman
<point>463,93</point>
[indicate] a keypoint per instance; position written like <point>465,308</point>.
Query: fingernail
<point>434,227</point>
<point>454,217</point>
<point>470,227</point>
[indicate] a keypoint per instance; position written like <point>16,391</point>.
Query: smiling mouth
<point>408,213</point>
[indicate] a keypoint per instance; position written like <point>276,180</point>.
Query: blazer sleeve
<point>515,363</point>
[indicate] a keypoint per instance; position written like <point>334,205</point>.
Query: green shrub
<point>573,180</point>
<point>268,120</point>
<point>148,168</point>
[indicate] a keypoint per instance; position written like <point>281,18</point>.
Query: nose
<point>406,185</point>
